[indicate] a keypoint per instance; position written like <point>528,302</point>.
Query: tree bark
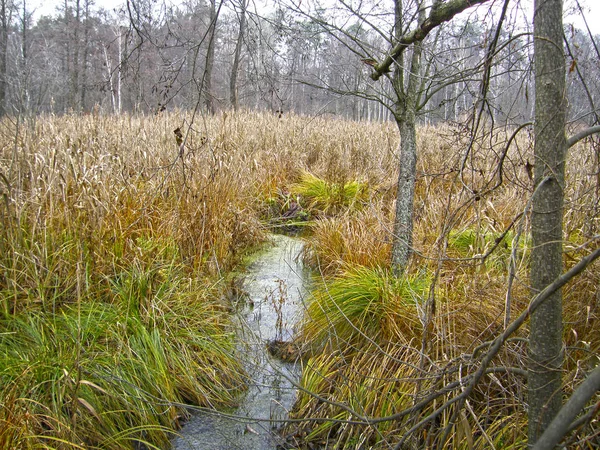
<point>75,66</point>
<point>405,115</point>
<point>4,26</point>
<point>84,63</point>
<point>545,340</point>
<point>24,63</point>
<point>233,87</point>
<point>563,420</point>
<point>210,60</point>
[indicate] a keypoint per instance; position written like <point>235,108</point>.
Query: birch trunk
<point>233,85</point>
<point>210,60</point>
<point>4,29</point>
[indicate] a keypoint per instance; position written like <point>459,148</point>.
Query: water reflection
<point>276,284</point>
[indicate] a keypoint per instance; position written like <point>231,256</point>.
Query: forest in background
<point>151,55</point>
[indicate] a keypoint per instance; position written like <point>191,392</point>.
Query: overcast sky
<point>591,8</point>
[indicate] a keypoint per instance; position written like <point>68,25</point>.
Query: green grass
<point>105,359</point>
<point>470,243</point>
<point>330,197</point>
<point>359,327</point>
<point>104,376</point>
<point>363,304</point>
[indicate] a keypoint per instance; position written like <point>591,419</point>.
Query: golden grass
<point>106,213</point>
<point>355,238</point>
<point>461,215</point>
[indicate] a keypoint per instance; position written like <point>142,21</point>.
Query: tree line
<point>150,55</point>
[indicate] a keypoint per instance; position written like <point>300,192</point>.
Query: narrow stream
<point>276,283</point>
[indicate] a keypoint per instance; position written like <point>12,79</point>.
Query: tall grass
<point>113,251</point>
<point>115,244</point>
<point>471,239</point>
<point>114,247</point>
<point>355,238</point>
<point>97,376</point>
<point>363,304</point>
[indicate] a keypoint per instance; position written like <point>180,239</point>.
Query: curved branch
<point>581,135</point>
<point>438,15</point>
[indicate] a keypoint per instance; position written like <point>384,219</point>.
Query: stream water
<point>276,284</point>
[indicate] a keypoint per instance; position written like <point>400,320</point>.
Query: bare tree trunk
<point>4,25</point>
<point>403,224</point>
<point>75,65</point>
<point>24,78</point>
<point>568,413</point>
<point>233,87</point>
<point>121,69</point>
<point>405,115</point>
<point>110,79</point>
<point>84,64</point>
<point>545,340</point>
<point>210,60</point>
<point>67,54</point>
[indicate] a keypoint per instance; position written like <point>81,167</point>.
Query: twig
<point>499,341</point>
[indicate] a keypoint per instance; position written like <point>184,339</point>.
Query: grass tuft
<point>101,377</point>
<point>363,304</point>
<point>329,197</point>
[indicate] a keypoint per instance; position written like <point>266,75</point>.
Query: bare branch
<point>559,426</point>
<point>496,345</point>
<point>438,15</point>
<point>581,135</point>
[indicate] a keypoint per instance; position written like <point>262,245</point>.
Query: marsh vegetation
<point>116,249</point>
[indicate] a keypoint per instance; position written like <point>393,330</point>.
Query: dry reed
<point>111,211</point>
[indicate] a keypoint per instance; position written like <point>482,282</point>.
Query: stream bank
<point>276,284</point>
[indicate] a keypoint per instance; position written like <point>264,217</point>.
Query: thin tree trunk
<point>86,39</point>
<point>210,60</point>
<point>233,86</point>
<point>121,69</point>
<point>110,78</point>
<point>75,67</point>
<point>4,24</point>
<point>403,224</point>
<point>545,340</point>
<point>24,91</point>
<point>405,114</point>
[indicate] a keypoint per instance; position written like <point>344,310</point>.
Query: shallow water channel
<point>276,284</point>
